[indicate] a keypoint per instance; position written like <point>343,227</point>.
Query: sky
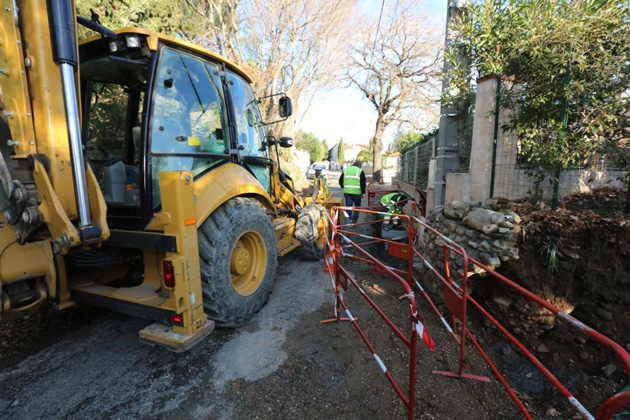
<point>343,112</point>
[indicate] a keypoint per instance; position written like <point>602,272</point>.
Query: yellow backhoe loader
<point>135,175</point>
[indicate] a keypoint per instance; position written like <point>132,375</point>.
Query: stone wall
<point>488,236</point>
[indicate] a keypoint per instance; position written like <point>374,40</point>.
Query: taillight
<point>176,318</point>
<point>169,273</point>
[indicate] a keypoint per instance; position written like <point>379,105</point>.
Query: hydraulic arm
<point>45,182</point>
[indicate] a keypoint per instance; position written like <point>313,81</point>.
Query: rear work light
<point>169,273</point>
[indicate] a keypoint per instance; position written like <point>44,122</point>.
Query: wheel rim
<point>248,263</point>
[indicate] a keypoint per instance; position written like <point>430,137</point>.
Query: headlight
<point>133,41</point>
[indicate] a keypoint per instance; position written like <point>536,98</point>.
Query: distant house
<point>390,165</point>
<point>351,152</point>
<point>391,160</point>
<point>333,153</point>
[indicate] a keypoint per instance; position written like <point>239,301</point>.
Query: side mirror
<point>285,109</point>
<point>286,141</point>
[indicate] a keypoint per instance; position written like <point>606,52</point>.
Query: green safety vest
<point>386,200</point>
<point>352,180</point>
<point>392,208</point>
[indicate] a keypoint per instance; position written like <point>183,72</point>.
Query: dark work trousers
<point>353,200</point>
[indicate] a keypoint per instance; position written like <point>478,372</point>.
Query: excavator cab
<point>150,110</point>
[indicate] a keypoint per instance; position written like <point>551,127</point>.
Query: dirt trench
<point>577,258</point>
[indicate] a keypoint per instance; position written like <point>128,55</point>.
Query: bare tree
<point>296,46</point>
<point>395,63</point>
<point>214,24</point>
<point>291,46</point>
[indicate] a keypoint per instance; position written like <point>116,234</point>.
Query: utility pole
<point>448,134</point>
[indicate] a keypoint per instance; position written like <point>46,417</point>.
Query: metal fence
<point>514,178</point>
<point>511,176</point>
<point>413,167</point>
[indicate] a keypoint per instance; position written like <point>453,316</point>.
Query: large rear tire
<point>238,259</point>
<point>310,231</point>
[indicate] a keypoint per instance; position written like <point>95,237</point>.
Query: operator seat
<point>114,177</point>
<point>117,176</point>
<point>133,172</point>
<point>135,134</point>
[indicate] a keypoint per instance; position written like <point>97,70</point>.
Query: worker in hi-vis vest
<point>394,203</point>
<point>353,182</point>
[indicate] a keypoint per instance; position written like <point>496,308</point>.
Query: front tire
<point>238,261</point>
<point>310,231</point>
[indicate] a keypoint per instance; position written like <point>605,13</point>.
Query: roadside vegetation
<point>568,68</point>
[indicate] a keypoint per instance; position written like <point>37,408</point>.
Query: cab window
<point>107,124</point>
<point>249,123</point>
<point>188,117</point>
<point>112,141</point>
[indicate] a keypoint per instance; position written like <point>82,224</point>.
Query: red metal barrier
<point>374,195</point>
<point>374,198</point>
<point>335,254</point>
<point>456,298</point>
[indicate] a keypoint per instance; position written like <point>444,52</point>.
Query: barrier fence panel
<point>456,298</point>
<point>455,301</point>
<point>335,253</point>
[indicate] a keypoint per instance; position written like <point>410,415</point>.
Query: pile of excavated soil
<point>578,258</point>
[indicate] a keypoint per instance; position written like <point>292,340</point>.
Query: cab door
<point>250,130</point>
<point>188,119</point>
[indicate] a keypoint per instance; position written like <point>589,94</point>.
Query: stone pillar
<point>457,187</point>
<point>481,153</point>
<point>482,138</point>
<point>449,129</point>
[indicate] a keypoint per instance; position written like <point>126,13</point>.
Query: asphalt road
<point>99,369</point>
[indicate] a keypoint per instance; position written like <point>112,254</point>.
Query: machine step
<point>163,335</point>
<point>141,301</point>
